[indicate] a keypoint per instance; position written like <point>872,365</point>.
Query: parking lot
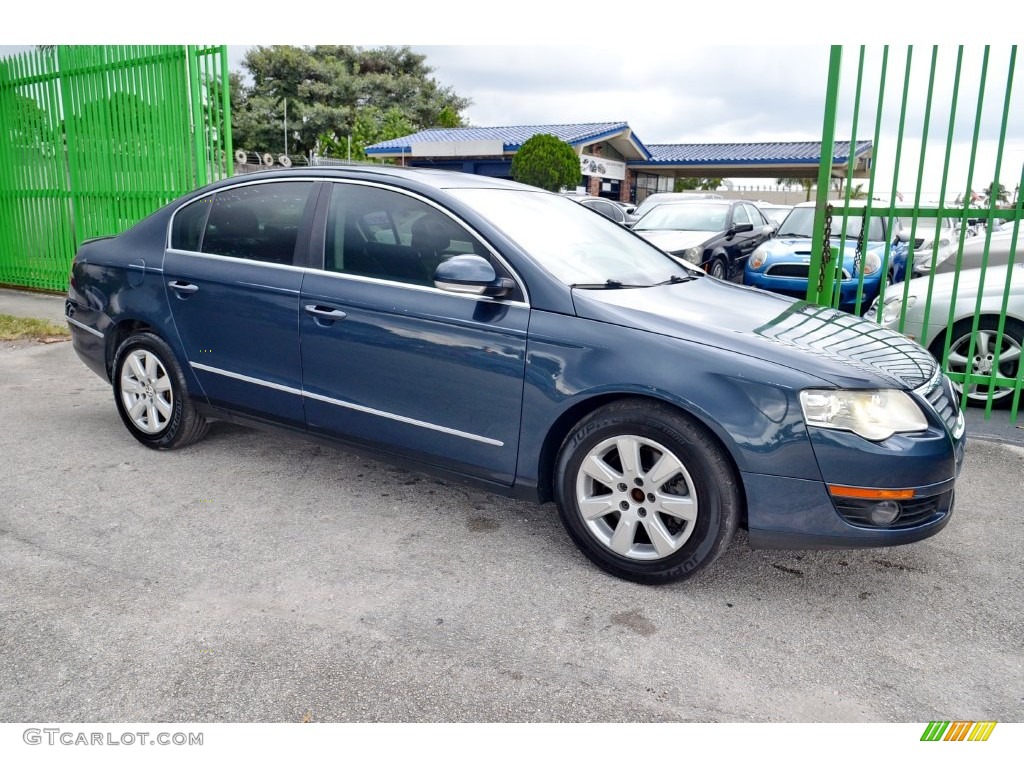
<point>261,577</point>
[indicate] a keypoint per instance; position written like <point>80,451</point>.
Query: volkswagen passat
<point>499,334</point>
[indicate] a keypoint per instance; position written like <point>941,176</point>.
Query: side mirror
<point>471,274</point>
<point>903,236</point>
<point>737,228</point>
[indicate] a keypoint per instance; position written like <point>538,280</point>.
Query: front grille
<point>928,509</point>
<point>943,400</point>
<point>788,270</point>
<point>799,271</point>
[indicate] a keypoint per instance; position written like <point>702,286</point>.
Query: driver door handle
<point>325,313</point>
<point>179,286</point>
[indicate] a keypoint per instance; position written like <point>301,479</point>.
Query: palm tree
<point>1000,195</point>
<point>807,184</point>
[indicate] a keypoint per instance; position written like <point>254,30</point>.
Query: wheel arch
<point>117,334</point>
<point>562,427</point>
<point>967,315</point>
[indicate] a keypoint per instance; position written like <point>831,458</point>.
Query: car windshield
<point>570,242</point>
<point>696,217</point>
<point>658,198</point>
<point>800,223</point>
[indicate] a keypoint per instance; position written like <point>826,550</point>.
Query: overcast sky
<point>665,72</point>
<point>753,93</point>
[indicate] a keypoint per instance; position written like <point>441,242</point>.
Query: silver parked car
<point>990,352</point>
<point>934,239</point>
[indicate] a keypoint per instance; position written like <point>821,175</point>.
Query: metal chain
<point>826,251</point>
<point>861,240</point>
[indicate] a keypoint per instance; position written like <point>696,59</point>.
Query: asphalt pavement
<point>259,577</point>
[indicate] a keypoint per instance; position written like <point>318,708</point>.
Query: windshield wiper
<point>677,279</point>
<point>607,284</point>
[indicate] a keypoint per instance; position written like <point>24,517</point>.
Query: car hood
<point>835,346</point>
<point>672,240</point>
<point>941,284</point>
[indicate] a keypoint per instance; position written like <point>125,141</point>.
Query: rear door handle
<point>325,313</point>
<point>181,287</point>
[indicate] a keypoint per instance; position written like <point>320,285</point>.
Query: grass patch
<point>30,329</point>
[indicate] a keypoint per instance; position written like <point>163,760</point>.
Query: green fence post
<point>828,141</point>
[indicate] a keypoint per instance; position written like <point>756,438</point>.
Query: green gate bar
<point>828,276</point>
<point>95,138</point>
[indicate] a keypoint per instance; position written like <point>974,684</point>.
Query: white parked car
<point>933,239</point>
<point>986,355</point>
<point>774,212</point>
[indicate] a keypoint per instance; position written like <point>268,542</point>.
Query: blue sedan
<point>781,265</point>
<point>501,335</point>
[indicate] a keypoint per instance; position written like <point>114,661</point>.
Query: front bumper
<point>797,286</point>
<point>795,513</point>
<point>801,514</point>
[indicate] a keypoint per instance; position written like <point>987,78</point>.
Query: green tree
<point>547,162</point>
<point>369,126</point>
<point>997,191</point>
<point>336,90</point>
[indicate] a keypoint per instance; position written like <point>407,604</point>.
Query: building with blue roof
<point>614,161</point>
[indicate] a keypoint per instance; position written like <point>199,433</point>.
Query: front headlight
<point>693,255</point>
<point>872,263</point>
<point>757,258</point>
<point>874,414</point>
<point>894,306</point>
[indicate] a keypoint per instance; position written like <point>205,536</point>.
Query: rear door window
<point>260,222</point>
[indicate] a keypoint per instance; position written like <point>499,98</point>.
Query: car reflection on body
<point>498,334</point>
<point>783,263</point>
<point>716,235</point>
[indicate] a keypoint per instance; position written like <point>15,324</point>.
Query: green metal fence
<point>946,127</point>
<point>94,138</point>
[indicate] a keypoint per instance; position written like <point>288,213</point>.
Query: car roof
<point>431,177</point>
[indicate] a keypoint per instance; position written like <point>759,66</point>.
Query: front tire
<point>646,493</point>
<point>984,356</point>
<point>151,395</point>
<point>717,269</point>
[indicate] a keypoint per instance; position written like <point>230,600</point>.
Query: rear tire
<point>646,493</point>
<point>151,395</point>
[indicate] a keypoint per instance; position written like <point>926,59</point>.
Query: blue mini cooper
<point>781,265</point>
<point>506,336</point>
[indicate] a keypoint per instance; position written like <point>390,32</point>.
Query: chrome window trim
<point>445,212</point>
<point>84,327</point>
<point>414,286</point>
<point>345,276</point>
<point>241,183</point>
<point>237,260</point>
<point>362,182</point>
<point>351,406</point>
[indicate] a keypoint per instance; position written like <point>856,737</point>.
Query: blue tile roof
<point>511,136</point>
<point>781,152</point>
<point>579,134</point>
